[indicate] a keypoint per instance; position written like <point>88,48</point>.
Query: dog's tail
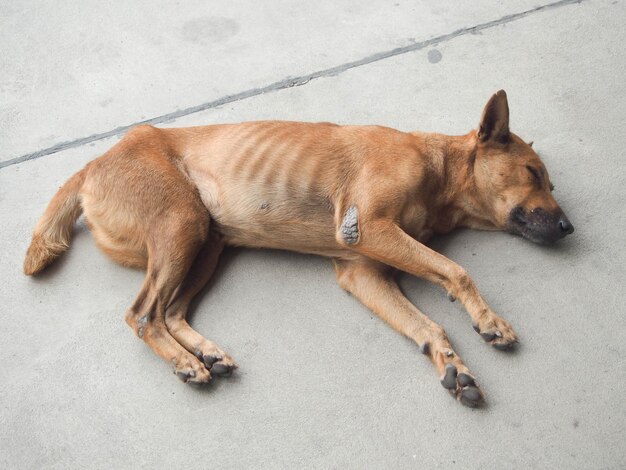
<point>53,232</point>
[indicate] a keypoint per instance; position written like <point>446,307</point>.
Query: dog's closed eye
<point>537,177</point>
<point>536,174</point>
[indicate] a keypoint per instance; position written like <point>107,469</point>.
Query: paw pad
<point>221,369</point>
<point>209,360</point>
<point>471,396</point>
<point>465,380</point>
<point>217,365</point>
<point>462,385</point>
<point>449,377</point>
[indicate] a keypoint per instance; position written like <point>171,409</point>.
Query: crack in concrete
<point>288,82</point>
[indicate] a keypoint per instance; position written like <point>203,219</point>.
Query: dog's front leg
<point>384,241</point>
<point>371,283</point>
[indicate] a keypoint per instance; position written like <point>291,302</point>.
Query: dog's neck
<point>457,203</point>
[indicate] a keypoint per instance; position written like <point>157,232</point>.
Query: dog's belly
<point>250,212</point>
<point>262,222</point>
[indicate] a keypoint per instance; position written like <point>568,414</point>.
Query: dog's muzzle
<point>539,225</point>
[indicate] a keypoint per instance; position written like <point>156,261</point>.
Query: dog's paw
<point>215,360</point>
<point>220,365</point>
<point>497,332</point>
<point>462,386</point>
<point>190,370</point>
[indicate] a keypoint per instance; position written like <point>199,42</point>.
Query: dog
<point>368,197</point>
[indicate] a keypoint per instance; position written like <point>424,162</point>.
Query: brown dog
<point>169,200</point>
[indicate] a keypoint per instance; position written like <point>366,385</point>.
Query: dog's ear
<point>494,125</point>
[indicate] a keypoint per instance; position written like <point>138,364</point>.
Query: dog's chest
<point>414,221</point>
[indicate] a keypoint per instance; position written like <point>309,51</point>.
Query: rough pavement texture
<point>322,382</point>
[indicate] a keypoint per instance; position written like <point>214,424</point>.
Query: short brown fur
<point>169,200</point>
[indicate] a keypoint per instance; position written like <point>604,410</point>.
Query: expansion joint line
<point>288,82</point>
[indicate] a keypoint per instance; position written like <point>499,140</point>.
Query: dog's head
<point>511,180</point>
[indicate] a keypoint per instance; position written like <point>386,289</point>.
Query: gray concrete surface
<point>322,382</point>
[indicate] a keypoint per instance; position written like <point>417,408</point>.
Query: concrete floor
<point>322,382</point>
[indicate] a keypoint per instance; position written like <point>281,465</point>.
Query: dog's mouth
<point>539,225</point>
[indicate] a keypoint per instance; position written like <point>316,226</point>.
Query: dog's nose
<point>565,225</point>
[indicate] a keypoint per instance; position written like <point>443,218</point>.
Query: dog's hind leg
<point>171,253</point>
<point>214,359</point>
<point>371,283</point>
<point>145,212</point>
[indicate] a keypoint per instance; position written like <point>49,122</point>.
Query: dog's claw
<point>185,376</point>
<point>189,370</point>
<point>499,340</point>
